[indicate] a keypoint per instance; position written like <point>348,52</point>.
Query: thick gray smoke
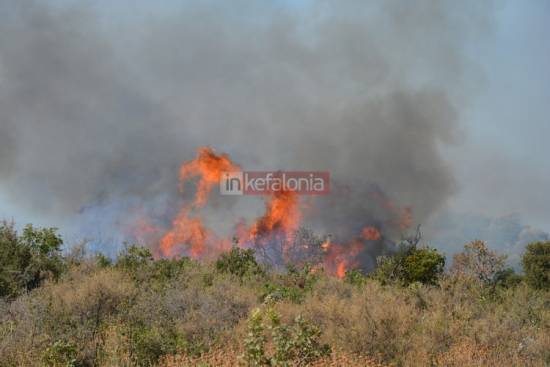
<point>97,110</point>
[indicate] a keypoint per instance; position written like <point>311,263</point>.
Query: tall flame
<point>282,214</point>
<point>188,230</point>
<point>208,166</point>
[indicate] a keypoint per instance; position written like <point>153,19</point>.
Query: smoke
<point>507,234</point>
<point>98,110</point>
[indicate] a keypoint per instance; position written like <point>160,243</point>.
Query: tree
<point>536,264</point>
<point>478,261</point>
<point>28,259</point>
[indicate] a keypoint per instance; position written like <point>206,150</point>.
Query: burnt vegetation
<point>78,309</point>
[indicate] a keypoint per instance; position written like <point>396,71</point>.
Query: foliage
<point>507,278</point>
<point>423,265</point>
<point>296,343</point>
<point>239,262</point>
<point>133,257</point>
<point>479,262</point>
<point>410,265</point>
<point>103,261</point>
<point>60,354</point>
<point>536,264</point>
<point>355,277</point>
<point>292,285</point>
<point>28,259</point>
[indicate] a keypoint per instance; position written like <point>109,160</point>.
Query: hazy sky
<point>503,164</point>
<point>501,160</point>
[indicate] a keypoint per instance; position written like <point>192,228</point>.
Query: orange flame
<point>280,221</point>
<point>341,270</point>
<point>209,167</point>
<point>371,234</point>
<point>282,214</point>
<point>187,230</point>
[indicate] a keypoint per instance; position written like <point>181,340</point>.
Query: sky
<point>503,165</point>
<point>499,156</point>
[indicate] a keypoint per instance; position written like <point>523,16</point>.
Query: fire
<point>341,270</point>
<point>188,230</point>
<point>339,258</point>
<point>282,215</point>
<point>273,231</point>
<point>371,234</point>
<point>185,230</point>
<point>209,167</point>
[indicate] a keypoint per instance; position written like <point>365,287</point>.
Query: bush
<point>355,277</point>
<point>294,344</point>
<point>507,278</point>
<point>423,265</point>
<point>479,262</point>
<point>60,354</point>
<point>292,285</point>
<point>536,265</point>
<point>239,262</point>
<point>27,260</point>
<point>133,257</point>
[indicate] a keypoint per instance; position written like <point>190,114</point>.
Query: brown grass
<point>230,357</point>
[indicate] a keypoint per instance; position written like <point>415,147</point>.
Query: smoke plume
<point>98,110</point>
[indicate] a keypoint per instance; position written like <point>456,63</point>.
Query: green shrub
<point>239,262</point>
<point>28,259</point>
<point>507,278</point>
<point>355,277</point>
<point>411,265</point>
<point>255,341</point>
<point>296,343</point>
<point>423,265</point>
<point>292,285</point>
<point>133,257</point>
<point>536,264</point>
<point>60,354</point>
<point>103,261</point>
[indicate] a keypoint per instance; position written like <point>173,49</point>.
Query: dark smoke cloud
<point>93,112</point>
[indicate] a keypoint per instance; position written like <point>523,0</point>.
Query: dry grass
<point>116,321</point>
<point>230,357</point>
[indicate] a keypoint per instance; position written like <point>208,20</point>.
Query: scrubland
<point>137,311</point>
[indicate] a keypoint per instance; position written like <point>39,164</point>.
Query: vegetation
<point>137,311</point>
<point>536,263</point>
<point>29,259</point>
<point>410,265</point>
<point>479,262</point>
